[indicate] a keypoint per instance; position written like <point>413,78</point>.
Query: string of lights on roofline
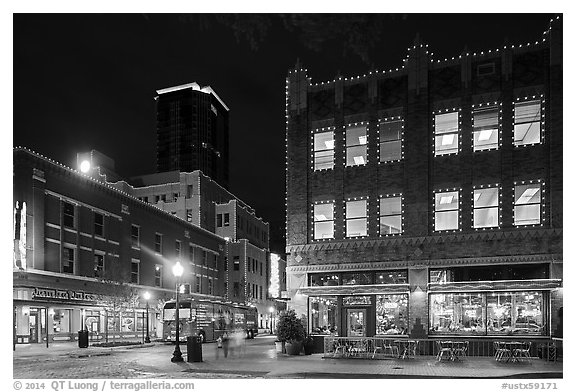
<point>432,61</point>
<point>106,185</point>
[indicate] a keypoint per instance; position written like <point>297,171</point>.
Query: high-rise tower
<point>192,131</point>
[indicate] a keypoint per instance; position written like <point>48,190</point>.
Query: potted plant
<point>291,331</point>
<point>308,345</point>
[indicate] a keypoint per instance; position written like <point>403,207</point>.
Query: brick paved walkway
<point>258,360</point>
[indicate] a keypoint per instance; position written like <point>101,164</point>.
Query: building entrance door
<point>356,322</point>
<point>33,320</point>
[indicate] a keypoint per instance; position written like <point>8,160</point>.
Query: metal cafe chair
<point>444,347</point>
<point>523,351</point>
<point>459,350</point>
<point>501,352</point>
<point>393,349</point>
<point>378,346</point>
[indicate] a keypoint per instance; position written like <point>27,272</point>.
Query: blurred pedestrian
<point>225,344</point>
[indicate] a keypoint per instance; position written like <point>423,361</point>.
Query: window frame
<point>158,275</point>
<point>458,209</point>
<point>99,272</point>
<point>158,244</point>
<point>66,216</point>
<point>349,147</point>
<point>380,214</point>
<point>65,260</point>
<point>458,131</point>
<point>97,225</point>
<point>541,122</point>
<point>137,245</point>
<point>540,203</point>
<point>484,107</point>
<point>350,219</point>
<point>390,120</point>
<point>497,206</point>
<point>316,222</point>
<point>133,262</point>
<point>317,153</point>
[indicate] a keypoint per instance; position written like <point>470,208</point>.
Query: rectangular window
<point>98,265</point>
<point>323,221</point>
<point>225,263</point>
<point>390,139</point>
<point>204,258</point>
<point>178,248</point>
<point>391,277</point>
<point>392,314</point>
<point>158,243</point>
<point>485,128</point>
<point>260,292</point>
<point>248,263</point>
<point>446,211</point>
<point>188,215</point>
<point>458,314</point>
<point>356,278</point>
<point>515,313</point>
<point>135,236</point>
<point>189,191</point>
<point>236,263</point>
<point>198,283</point>
<point>191,253</point>
<point>68,258</point>
<point>135,271</point>
<point>236,289</point>
<point>356,145</point>
<point>390,215</point>
<point>527,204</point>
<point>210,286</point>
<point>324,315</point>
<point>356,221</point>
<point>219,220</point>
<point>323,150</point>
<point>68,214</point>
<point>527,118</point>
<point>486,205</point>
<point>158,275</point>
<point>226,219</point>
<point>98,224</point>
<point>446,133</point>
<point>332,279</point>
<point>261,269</point>
<point>486,69</point>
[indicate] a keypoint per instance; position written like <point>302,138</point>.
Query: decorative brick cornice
<point>510,259</point>
<point>431,239</point>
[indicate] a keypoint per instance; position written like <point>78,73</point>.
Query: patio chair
<point>501,352</point>
<point>460,350</point>
<point>523,351</point>
<point>444,348</point>
<point>393,349</point>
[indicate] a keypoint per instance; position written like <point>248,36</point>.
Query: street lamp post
<point>177,270</point>
<point>271,310</point>
<point>147,298</point>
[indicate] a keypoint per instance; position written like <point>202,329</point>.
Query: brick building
<point>83,247</point>
<point>426,201</point>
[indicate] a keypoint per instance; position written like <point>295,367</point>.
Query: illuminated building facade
<point>426,201</point>
<point>192,130</point>
<point>86,248</point>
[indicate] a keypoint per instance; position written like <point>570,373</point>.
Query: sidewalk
<point>260,360</point>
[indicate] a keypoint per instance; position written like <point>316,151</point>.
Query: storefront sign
<point>65,295</point>
<point>356,300</point>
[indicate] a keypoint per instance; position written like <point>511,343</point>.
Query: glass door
<point>33,321</point>
<point>356,322</point>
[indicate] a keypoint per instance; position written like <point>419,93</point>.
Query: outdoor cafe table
<point>512,347</point>
<point>407,347</point>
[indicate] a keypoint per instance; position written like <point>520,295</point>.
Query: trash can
<point>194,348</point>
<point>83,339</point>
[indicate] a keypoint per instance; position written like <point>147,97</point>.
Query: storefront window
<point>391,314</point>
<point>392,277</point>
<point>128,322</point>
<point>324,315</point>
<point>61,321</point>
<point>92,321</point>
<point>324,280</point>
<point>356,278</point>
<point>515,313</point>
<point>459,314</point>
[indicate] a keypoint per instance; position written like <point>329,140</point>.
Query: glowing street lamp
<point>147,298</point>
<point>177,270</point>
<point>85,166</point>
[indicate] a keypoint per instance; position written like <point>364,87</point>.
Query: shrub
<point>290,327</point>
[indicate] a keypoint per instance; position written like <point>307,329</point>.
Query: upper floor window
<point>390,132</point>
<point>98,224</point>
<point>98,265</point>
<point>486,207</point>
<point>135,234</point>
<point>527,121</point>
<point>323,221</point>
<point>218,220</point>
<point>210,286</point>
<point>158,275</point>
<point>486,128</point>
<point>390,215</point>
<point>68,214</point>
<point>356,145</point>
<point>324,150</point>
<point>135,271</point>
<point>236,260</point>
<point>226,219</point>
<point>446,133</point>
<point>356,220</point>
<point>527,204</point>
<point>68,258</point>
<point>446,211</point>
<point>158,243</point>
<point>178,248</point>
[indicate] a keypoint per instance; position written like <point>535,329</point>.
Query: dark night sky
<point>87,81</point>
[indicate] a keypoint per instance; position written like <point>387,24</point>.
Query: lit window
<point>527,204</point>
<point>392,314</point>
<point>356,145</point>
<point>486,207</point>
<point>98,265</point>
<point>226,219</point>
<point>178,247</point>
<point>68,213</point>
<point>390,215</point>
<point>158,275</point>
<point>68,260</point>
<point>98,224</point>
<point>356,224</point>
<point>323,221</point>
<point>324,150</point>
<point>446,133</point>
<point>236,263</point>
<point>446,213</point>
<point>390,140</point>
<point>527,117</point>
<point>158,243</point>
<point>485,131</point>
